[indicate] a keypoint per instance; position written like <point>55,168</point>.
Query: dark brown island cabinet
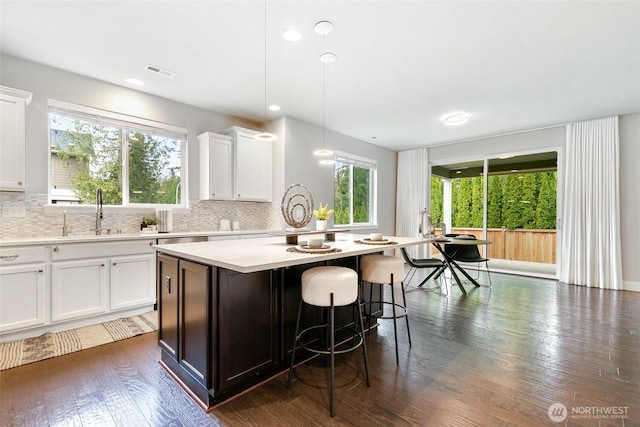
<point>222,332</point>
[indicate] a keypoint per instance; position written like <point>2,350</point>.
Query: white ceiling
<point>401,65</point>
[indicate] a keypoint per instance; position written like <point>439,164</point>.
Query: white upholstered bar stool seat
<point>386,270</point>
<point>320,282</point>
<point>330,287</point>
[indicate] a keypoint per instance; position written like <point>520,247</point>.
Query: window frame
<point>364,163</point>
<point>127,124</point>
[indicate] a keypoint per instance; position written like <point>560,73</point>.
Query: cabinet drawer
<point>97,250</point>
<point>21,255</point>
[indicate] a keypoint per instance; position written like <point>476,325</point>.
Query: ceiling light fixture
<point>323,28</point>
<point>455,119</point>
<point>292,35</point>
<point>134,81</point>
<point>264,135</point>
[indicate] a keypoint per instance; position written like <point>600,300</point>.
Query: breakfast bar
<point>227,310</point>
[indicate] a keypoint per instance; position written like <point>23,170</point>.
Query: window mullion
<point>125,166</point>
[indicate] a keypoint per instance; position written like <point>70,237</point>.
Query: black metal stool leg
<point>395,323</point>
<point>332,350</point>
<point>295,342</point>
<point>364,346</point>
<point>404,300</point>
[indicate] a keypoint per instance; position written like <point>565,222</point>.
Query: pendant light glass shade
<point>323,152</point>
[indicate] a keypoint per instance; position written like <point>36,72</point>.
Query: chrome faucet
<point>99,215</point>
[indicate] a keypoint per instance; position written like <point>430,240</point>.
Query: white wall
<point>302,167</point>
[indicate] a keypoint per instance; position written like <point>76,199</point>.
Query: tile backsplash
<point>23,215</point>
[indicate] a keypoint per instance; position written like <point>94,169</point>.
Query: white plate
<point>375,242</point>
<point>324,248</point>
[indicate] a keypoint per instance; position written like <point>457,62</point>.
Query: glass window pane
<point>85,156</point>
<point>154,169</point>
<point>342,194</point>
<point>361,192</point>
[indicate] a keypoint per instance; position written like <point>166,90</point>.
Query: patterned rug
<point>52,344</point>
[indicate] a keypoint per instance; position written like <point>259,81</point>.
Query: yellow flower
<point>322,213</point>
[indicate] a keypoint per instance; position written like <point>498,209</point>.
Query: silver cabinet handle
<point>167,281</point>
<point>9,257</point>
<point>56,249</point>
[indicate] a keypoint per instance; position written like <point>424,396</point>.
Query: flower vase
<point>321,225</point>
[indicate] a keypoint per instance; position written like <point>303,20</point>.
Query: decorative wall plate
<point>297,206</point>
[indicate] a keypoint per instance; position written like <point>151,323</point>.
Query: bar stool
<point>330,287</point>
<point>387,270</point>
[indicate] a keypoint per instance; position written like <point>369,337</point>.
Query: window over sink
<point>136,162</point>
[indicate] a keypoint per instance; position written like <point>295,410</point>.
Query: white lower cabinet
<point>22,296</point>
<point>92,278</point>
<point>132,281</point>
<point>78,288</point>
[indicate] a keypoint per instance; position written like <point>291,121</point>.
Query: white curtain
<point>590,243</point>
<point>411,194</point>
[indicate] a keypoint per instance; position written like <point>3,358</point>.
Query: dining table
<point>449,257</point>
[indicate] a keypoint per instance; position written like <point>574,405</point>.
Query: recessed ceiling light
<point>328,58</point>
<point>323,28</point>
<point>274,107</point>
<point>292,35</point>
<point>134,81</point>
<point>455,119</point>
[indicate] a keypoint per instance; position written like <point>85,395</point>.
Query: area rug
<point>52,344</point>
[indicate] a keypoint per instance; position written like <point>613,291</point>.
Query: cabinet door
<point>12,143</point>
<point>22,296</point>
<point>168,304</point>
<point>132,281</point>
<point>253,169</point>
<point>195,356</point>
<point>78,288</point>
<point>216,167</point>
<point>247,325</point>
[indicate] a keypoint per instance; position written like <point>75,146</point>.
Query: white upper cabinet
<point>13,104</point>
<point>235,166</point>
<point>253,168</point>
<point>216,166</point>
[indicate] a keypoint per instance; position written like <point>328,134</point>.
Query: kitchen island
<point>227,310</point>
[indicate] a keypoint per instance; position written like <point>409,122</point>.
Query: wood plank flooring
<point>498,356</point>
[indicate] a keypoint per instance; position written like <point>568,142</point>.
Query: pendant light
<point>323,28</point>
<point>265,135</point>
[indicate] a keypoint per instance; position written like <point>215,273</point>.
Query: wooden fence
<point>518,245</point>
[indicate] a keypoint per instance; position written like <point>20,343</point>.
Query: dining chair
<point>469,254</point>
<point>414,264</point>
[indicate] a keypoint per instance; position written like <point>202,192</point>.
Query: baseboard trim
<point>628,285</point>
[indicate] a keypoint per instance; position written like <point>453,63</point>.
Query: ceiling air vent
<point>159,70</point>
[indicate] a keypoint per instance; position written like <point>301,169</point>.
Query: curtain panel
<point>411,194</point>
<point>590,253</point>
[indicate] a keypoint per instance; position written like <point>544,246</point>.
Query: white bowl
<point>375,236</point>
<point>315,243</point>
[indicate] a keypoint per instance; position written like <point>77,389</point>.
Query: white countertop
<point>251,255</point>
<point>25,241</point>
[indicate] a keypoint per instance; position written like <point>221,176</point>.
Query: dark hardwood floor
<point>497,356</point>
